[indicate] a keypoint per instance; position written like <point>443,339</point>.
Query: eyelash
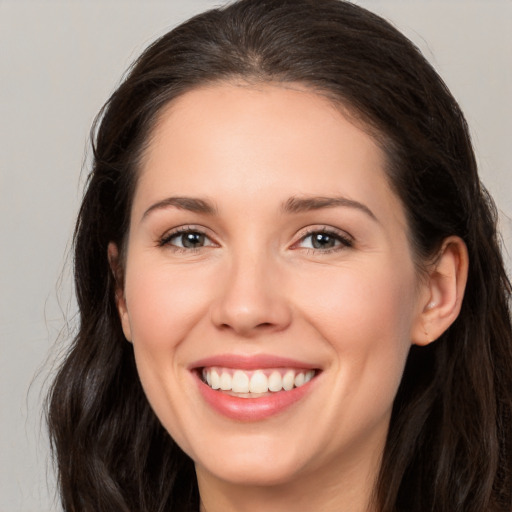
<point>344,240</point>
<point>166,239</point>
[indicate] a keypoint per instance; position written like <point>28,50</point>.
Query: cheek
<point>163,305</point>
<point>366,318</point>
<point>352,302</point>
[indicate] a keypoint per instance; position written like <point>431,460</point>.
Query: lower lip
<point>251,409</point>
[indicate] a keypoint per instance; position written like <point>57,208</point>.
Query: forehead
<point>254,114</point>
<point>252,138</point>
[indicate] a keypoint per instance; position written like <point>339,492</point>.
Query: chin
<point>253,471</point>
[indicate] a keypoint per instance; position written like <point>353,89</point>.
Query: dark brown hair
<point>449,447</point>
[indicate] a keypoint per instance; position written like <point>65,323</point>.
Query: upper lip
<point>253,362</point>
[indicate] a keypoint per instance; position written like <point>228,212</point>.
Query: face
<point>269,291</point>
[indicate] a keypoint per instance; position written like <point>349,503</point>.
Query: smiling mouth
<point>255,383</point>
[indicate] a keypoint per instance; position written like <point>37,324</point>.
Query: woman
<point>291,292</point>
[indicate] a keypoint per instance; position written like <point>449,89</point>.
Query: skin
<point>257,286</point>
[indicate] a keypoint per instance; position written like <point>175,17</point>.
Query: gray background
<point>59,61</point>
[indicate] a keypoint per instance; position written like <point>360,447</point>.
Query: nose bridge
<point>251,298</point>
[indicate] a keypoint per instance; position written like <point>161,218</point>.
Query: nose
<point>251,298</point>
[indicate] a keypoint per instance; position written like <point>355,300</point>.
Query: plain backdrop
<point>59,62</point>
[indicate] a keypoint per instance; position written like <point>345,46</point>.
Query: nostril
<point>249,315</point>
<point>263,325</point>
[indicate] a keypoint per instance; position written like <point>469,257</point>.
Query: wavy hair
<point>449,447</point>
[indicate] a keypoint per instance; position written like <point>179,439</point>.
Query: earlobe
<point>443,292</point>
<point>117,271</point>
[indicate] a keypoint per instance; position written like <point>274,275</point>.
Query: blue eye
<point>324,240</point>
<point>186,239</point>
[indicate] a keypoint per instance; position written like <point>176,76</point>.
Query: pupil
<point>192,240</point>
<point>322,241</point>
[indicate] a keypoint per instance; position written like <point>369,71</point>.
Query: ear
<point>118,273</point>
<point>442,293</point>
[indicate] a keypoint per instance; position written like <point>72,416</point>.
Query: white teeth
<point>215,380</point>
<point>288,380</point>
<point>225,381</point>
<point>240,382</point>
<point>275,382</point>
<point>299,380</point>
<point>257,382</point>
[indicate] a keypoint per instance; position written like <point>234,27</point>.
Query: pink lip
<point>251,362</point>
<point>250,409</point>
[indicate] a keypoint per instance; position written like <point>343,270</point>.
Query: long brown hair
<point>449,446</point>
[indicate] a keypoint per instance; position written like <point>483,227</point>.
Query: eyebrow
<point>304,204</point>
<point>292,205</point>
<point>190,204</point>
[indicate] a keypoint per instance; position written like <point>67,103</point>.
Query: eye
<point>186,238</point>
<point>324,240</point>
